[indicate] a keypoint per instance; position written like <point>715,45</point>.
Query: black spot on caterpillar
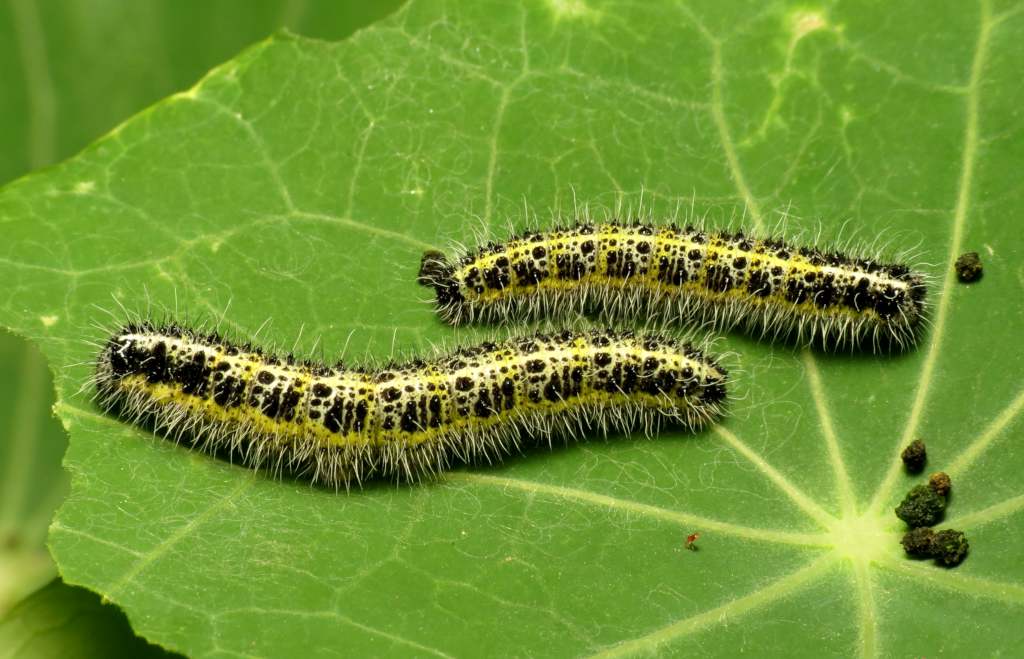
<point>629,271</point>
<point>336,425</point>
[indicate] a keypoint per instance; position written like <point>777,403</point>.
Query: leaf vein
<point>969,159</point>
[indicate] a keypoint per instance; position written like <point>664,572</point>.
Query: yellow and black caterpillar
<point>629,271</point>
<point>338,424</point>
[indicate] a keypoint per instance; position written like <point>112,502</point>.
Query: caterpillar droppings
<point>628,271</point>
<point>338,425</point>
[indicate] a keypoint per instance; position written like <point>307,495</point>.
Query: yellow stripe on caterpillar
<point>625,272</point>
<point>337,424</point>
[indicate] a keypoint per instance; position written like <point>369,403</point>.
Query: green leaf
<point>32,483</point>
<point>48,111</point>
<point>303,179</point>
<point>74,69</point>
<point>62,620</point>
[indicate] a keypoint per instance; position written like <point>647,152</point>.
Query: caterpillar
<point>337,425</point>
<point>625,271</point>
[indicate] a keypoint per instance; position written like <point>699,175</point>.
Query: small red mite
<point>690,540</point>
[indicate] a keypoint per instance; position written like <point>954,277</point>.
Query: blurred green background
<point>72,70</point>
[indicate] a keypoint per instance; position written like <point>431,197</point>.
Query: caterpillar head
<point>437,273</point>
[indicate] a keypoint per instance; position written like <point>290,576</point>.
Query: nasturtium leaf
<point>302,180</point>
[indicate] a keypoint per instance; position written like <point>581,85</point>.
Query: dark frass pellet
<point>968,267</point>
<point>914,456</point>
<point>940,482</point>
<point>918,542</point>
<point>922,506</point>
<point>949,547</point>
